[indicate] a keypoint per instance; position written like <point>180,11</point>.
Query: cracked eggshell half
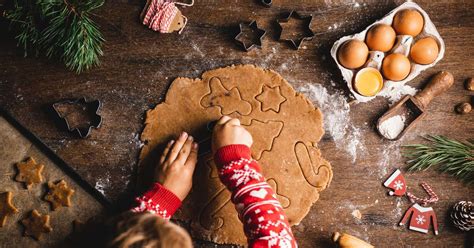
<point>429,30</point>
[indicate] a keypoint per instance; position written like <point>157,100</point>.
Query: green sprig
<point>59,29</point>
<point>447,155</point>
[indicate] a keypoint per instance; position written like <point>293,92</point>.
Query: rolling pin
<point>348,241</point>
<point>413,108</point>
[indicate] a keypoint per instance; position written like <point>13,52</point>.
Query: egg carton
<point>429,29</point>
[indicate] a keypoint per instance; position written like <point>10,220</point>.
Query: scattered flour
<point>136,140</point>
<point>395,93</point>
<point>102,184</point>
<point>334,26</point>
<point>198,50</point>
<point>337,120</point>
<point>354,4</point>
<point>396,213</point>
<point>357,214</point>
<point>349,209</point>
<point>390,158</point>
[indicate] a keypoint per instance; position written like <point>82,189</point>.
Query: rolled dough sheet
<point>286,128</point>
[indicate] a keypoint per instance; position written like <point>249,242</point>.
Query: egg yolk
<point>368,82</point>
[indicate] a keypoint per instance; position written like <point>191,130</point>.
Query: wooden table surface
<point>138,65</point>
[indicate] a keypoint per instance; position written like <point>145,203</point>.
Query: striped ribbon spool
<point>160,14</point>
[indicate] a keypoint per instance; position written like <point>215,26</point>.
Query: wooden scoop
<point>412,108</point>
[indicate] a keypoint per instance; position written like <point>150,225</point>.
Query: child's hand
<point>177,164</point>
<point>228,131</point>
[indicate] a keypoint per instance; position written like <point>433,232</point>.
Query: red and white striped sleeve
<point>265,223</point>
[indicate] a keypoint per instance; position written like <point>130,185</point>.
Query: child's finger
<point>178,144</point>
<point>235,122</point>
<point>185,150</point>
<point>166,151</point>
<point>223,120</point>
<point>193,156</point>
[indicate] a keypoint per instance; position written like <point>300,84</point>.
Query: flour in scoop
<point>392,127</point>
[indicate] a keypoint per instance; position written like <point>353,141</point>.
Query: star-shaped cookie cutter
<point>307,35</point>
<point>95,122</point>
<point>254,27</point>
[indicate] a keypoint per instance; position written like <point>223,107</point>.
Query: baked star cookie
<point>36,224</point>
<point>6,207</point>
<point>29,172</point>
<point>59,194</point>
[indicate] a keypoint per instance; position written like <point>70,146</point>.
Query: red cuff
<point>231,153</point>
<point>161,196</point>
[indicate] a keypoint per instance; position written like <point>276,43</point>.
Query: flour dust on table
<point>337,120</point>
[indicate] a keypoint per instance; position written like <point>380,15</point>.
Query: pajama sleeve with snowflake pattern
<point>265,223</point>
<point>158,200</point>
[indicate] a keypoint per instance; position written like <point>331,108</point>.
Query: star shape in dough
<point>271,98</point>
<point>37,224</point>
<point>29,172</point>
<point>59,194</point>
<point>6,207</point>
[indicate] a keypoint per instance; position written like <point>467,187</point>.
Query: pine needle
<point>446,155</point>
<point>59,29</point>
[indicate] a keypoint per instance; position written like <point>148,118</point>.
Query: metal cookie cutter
<point>255,30</point>
<point>267,3</point>
<point>307,35</point>
<point>205,144</point>
<point>90,107</point>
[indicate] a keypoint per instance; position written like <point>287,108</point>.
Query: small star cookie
<point>6,207</point>
<point>59,194</point>
<point>36,224</point>
<point>29,172</point>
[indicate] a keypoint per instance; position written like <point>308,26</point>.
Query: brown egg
<point>395,67</point>
<point>380,37</point>
<point>352,54</point>
<point>424,51</point>
<point>408,21</point>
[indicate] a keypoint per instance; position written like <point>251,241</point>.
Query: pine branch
<point>447,155</point>
<point>68,33</point>
<point>26,17</point>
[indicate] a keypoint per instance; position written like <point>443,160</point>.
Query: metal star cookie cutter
<point>254,27</point>
<point>92,107</point>
<point>307,35</point>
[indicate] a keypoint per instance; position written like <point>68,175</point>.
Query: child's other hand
<point>177,164</point>
<point>228,131</point>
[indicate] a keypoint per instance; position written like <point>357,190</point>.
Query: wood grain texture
<point>139,65</point>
